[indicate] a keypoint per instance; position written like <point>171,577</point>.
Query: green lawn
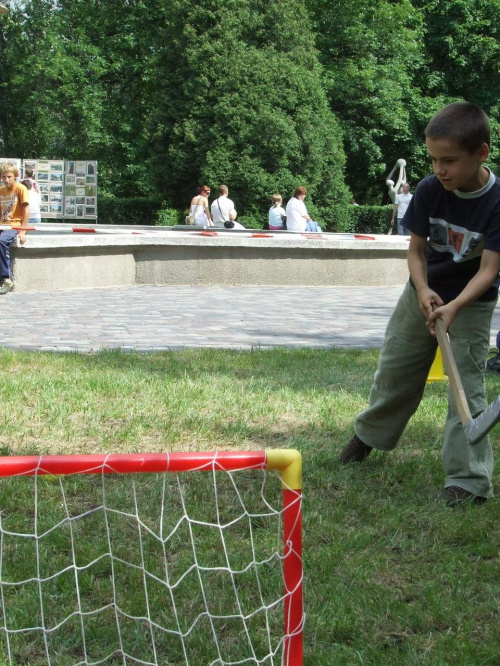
<point>391,576</point>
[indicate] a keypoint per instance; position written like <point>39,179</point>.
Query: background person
<point>400,207</point>
<point>223,208</point>
<point>34,200</point>
<point>297,217</point>
<point>199,208</point>
<point>276,213</point>
<point>29,174</point>
<point>14,212</point>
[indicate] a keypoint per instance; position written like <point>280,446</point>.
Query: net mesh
<point>178,568</point>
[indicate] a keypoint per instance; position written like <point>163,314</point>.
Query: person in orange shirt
<point>14,214</point>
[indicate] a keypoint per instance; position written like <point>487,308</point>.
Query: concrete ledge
<point>55,257</point>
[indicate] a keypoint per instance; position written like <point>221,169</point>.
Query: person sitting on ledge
<point>223,209</point>
<point>199,208</point>
<point>297,217</point>
<point>276,213</point>
<point>14,212</point>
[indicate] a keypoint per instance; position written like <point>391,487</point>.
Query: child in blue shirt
<point>454,261</point>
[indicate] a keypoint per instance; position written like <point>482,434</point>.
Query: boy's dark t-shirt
<point>458,226</point>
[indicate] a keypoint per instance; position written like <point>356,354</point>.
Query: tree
<point>462,47</point>
<point>76,84</point>
<point>240,100</point>
<point>48,107</point>
<point>370,51</point>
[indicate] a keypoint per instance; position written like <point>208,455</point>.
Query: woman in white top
<point>34,199</point>
<point>199,208</point>
<point>276,212</point>
<point>297,217</point>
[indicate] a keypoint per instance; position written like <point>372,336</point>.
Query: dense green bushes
<point>362,219</point>
<point>140,211</point>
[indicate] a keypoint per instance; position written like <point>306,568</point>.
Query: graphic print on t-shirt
<point>7,205</point>
<point>460,242</point>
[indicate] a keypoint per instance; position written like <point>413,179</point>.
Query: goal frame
<point>288,462</point>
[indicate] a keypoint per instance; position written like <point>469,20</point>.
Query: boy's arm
<point>24,223</point>
<point>482,280</point>
<point>417,264</point>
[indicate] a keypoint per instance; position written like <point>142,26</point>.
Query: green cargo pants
<point>405,360</point>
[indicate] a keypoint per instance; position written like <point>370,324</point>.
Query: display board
<point>49,175</point>
<point>80,194</point>
<point>68,188</point>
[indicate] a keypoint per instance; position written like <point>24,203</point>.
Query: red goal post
<point>287,462</point>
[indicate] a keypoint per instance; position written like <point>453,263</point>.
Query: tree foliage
<point>261,95</point>
<point>247,106</point>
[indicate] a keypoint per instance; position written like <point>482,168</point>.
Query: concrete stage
<point>71,256</point>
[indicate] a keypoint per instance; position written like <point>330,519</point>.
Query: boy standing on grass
<point>454,260</point>
<point>14,212</point>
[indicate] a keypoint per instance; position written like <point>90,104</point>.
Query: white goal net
<point>100,564</point>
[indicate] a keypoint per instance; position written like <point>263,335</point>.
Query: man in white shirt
<point>297,216</point>
<point>401,204</point>
<point>222,209</point>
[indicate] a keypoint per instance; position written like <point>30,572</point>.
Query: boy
<point>14,212</point>
<point>454,260</point>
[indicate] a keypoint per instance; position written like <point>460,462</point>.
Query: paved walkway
<point>143,318</point>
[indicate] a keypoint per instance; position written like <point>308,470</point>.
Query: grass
<point>391,576</point>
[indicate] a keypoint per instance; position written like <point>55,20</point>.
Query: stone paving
<point>144,318</point>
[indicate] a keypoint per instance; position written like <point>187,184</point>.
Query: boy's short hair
<point>223,190</point>
<point>9,168</point>
<point>28,172</point>
<point>464,123</point>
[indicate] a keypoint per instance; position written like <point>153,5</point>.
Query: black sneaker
<point>493,365</point>
<point>454,495</point>
<point>355,451</point>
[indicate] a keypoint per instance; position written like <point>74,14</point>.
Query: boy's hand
<point>446,313</point>
<point>428,301</point>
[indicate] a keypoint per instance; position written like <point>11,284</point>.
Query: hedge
<point>140,211</point>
